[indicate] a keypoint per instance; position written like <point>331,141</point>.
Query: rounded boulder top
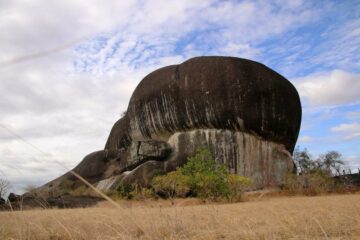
<point>213,92</point>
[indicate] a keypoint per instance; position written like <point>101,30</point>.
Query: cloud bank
<point>330,89</point>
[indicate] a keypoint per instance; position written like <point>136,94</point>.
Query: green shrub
<point>66,185</point>
<point>205,178</point>
<point>140,193</point>
<point>80,191</point>
<point>237,186</point>
<point>173,184</point>
<point>124,192</point>
<point>135,192</point>
<point>201,177</point>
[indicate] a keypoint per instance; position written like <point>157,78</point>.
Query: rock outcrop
<point>247,114</point>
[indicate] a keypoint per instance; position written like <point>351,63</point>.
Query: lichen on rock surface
<point>247,115</point>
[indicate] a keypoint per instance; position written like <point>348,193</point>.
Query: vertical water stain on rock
<point>247,114</point>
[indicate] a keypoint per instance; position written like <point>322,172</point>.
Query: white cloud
<point>329,89</point>
<point>353,115</point>
<point>64,113</point>
<point>33,26</point>
<point>305,139</point>
<point>332,42</point>
<point>348,130</point>
<point>342,46</point>
<point>353,163</point>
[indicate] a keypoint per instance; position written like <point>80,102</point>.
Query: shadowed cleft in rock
<point>245,113</point>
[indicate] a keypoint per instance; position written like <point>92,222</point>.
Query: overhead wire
<point>98,191</point>
<point>40,54</point>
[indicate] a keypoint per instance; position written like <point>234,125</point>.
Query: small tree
<point>4,187</point>
<point>330,162</point>
<point>303,161</point>
<point>316,175</point>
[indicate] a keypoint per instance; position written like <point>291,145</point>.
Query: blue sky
<point>68,68</point>
<point>324,40</point>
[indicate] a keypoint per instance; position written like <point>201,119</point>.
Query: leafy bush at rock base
<point>171,185</point>
<point>237,186</point>
<point>201,177</point>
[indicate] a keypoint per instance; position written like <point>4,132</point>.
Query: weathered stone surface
<point>244,154</point>
<point>211,92</point>
<point>248,116</point>
<point>143,174</point>
<point>109,184</point>
<point>143,151</point>
<point>93,165</point>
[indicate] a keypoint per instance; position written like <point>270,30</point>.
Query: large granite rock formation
<point>245,113</point>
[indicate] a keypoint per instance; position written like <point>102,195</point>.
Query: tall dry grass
<point>322,217</point>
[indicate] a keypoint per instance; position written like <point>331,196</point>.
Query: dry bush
<point>133,192</point>
<point>314,183</point>
<point>237,184</point>
<point>140,193</point>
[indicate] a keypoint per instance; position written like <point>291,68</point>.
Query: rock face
<point>248,116</point>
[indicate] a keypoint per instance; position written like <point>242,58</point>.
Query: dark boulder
<point>143,174</point>
<point>14,197</point>
<point>212,92</point>
<point>69,201</point>
<point>247,115</point>
<point>93,166</point>
<point>3,205</point>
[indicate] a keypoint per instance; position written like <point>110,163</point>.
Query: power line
<point>40,54</point>
<point>73,173</point>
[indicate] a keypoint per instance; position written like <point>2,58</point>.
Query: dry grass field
<point>321,217</point>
